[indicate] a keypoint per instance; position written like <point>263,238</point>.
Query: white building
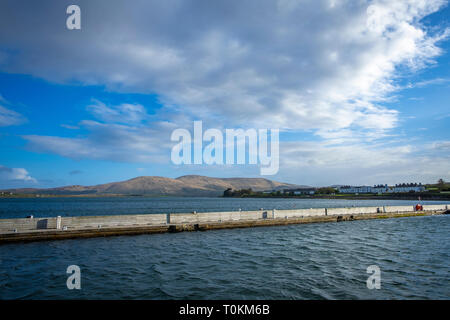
<point>407,187</point>
<point>410,187</point>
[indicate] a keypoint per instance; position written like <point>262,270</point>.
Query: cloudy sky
<point>359,89</point>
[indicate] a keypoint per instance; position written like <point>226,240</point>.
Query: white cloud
<point>124,113</point>
<point>442,146</point>
<point>70,127</point>
<point>429,82</point>
<point>297,65</point>
<point>121,134</point>
<point>105,142</point>
<point>15,175</point>
<point>110,141</point>
<point>319,163</point>
<point>327,67</point>
<point>10,118</point>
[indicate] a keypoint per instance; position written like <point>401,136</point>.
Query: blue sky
<point>359,90</point>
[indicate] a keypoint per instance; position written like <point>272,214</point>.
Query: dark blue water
<point>51,207</point>
<point>312,261</point>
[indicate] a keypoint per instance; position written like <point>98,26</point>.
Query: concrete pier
<point>34,229</point>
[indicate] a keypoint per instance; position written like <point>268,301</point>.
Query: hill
<point>191,185</point>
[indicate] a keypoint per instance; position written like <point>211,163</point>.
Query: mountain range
<point>190,185</point>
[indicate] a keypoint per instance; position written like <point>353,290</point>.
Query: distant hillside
<point>191,185</point>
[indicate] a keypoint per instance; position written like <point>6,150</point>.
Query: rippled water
<point>51,207</point>
<point>313,261</point>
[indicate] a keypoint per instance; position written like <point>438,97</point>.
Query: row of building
<point>398,188</point>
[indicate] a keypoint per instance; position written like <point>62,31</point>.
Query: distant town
<point>379,189</point>
<point>403,190</point>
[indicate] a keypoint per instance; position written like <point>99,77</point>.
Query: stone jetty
<point>54,228</point>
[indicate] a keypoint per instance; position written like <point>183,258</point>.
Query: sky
<point>359,90</point>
